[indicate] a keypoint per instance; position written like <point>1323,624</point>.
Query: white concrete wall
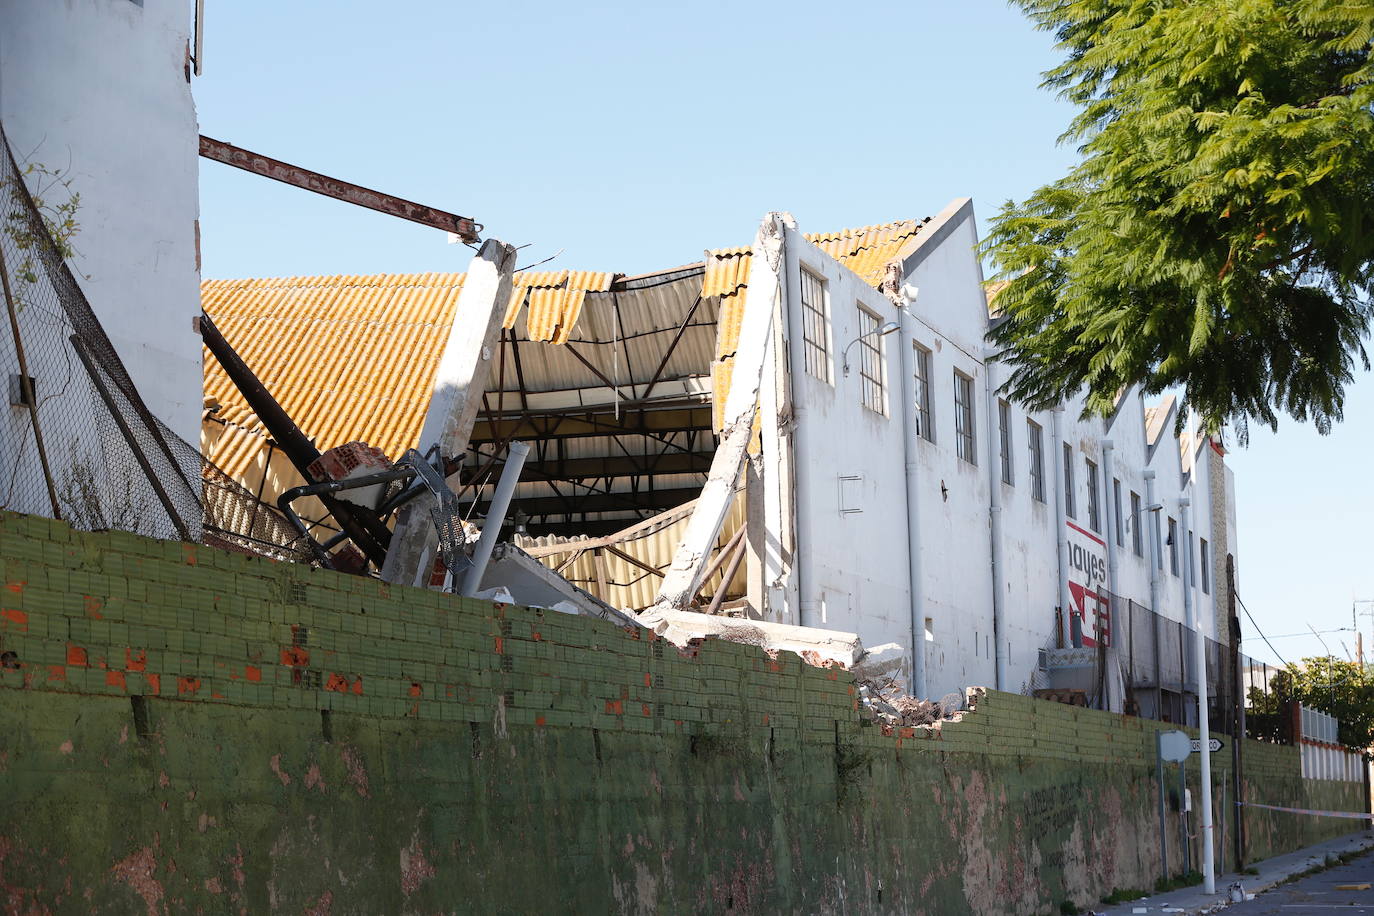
<point>849,458</point>
<point>99,89</point>
<point>852,566</point>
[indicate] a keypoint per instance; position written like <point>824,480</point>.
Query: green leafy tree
<point>1218,233</point>
<point>1338,688</point>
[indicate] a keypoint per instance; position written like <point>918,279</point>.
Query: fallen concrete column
<point>685,574</point>
<point>457,394</point>
<point>814,645</point>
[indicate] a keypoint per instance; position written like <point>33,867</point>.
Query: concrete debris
<point>521,579</point>
<point>823,648</point>
<point>888,703</point>
<point>350,460</point>
<point>881,662</point>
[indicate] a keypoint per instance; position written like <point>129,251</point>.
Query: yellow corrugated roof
<point>355,356</point>
<point>866,250</point>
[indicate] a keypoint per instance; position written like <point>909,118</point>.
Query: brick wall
<point>188,729</point>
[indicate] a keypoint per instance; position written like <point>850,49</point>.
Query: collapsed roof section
<point>613,381</point>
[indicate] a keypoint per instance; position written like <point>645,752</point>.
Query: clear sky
<point>631,137</point>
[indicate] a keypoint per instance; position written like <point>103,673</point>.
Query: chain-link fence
<point>77,441</point>
<point>1157,657</point>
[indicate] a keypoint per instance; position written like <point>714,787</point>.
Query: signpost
<point>1213,745</point>
<point>1173,746</point>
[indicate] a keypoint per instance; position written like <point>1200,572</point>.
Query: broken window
<point>1136,522</point>
<point>1035,439</point>
<point>963,417</point>
<point>1004,430</point>
<point>924,424</point>
<point>872,371</point>
<point>1094,510</point>
<point>1069,508</point>
<point>815,325</point>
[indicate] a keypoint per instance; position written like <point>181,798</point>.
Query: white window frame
<point>1173,546</point>
<point>1204,574</point>
<point>1035,443</point>
<point>816,331</point>
<point>965,419</point>
<point>925,422</point>
<point>1094,498</point>
<point>1004,431</point>
<point>1137,519</point>
<point>1070,508</point>
<point>872,362</point>
<point>1116,513</point>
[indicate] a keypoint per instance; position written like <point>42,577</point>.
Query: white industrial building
<point>906,466</point>
<point>883,454</point>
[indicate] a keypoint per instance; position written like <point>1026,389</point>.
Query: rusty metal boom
<point>258,164</point>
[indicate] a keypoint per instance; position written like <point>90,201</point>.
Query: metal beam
<point>539,506</point>
<point>668,353</point>
<point>464,227</point>
<point>592,423</point>
<point>362,525</point>
<point>613,466</point>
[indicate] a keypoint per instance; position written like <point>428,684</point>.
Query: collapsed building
<point>806,431</point>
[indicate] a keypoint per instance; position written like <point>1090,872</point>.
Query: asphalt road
<point>1316,894</point>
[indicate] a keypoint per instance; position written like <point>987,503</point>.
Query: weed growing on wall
<point>58,204</point>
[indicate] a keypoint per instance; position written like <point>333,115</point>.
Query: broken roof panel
<point>354,357</point>
<point>866,250</point>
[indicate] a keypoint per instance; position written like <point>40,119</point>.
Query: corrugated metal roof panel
<point>866,251</point>
<point>354,356</point>
<point>628,585</point>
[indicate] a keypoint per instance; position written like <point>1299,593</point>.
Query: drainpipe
<point>1209,882</point>
<point>1152,534</point>
<point>913,521</point>
<point>496,516</point>
<point>1057,445</point>
<point>1109,488</point>
<point>999,624</point>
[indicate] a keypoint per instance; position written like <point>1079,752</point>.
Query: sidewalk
<point>1192,900</point>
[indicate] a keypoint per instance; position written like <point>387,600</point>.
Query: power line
<point>1310,633</point>
<point>1259,631</point>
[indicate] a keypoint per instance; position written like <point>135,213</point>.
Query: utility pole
<point>1238,715</point>
<point>1209,879</point>
<point>1355,612</point>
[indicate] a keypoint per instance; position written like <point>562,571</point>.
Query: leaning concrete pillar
<point>462,377</point>
<point>684,576</point>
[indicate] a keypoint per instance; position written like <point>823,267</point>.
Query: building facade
<point>891,491</point>
<point>1026,523</point>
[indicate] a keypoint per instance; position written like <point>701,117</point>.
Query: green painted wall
<point>186,730</point>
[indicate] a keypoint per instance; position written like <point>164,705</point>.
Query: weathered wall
<point>850,479</point>
<point>117,117</point>
<point>183,729</point>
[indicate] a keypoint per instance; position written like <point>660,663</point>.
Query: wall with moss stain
<point>184,730</point>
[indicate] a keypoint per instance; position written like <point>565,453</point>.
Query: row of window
<point>872,372</point>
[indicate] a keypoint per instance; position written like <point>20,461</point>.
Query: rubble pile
<point>884,700</point>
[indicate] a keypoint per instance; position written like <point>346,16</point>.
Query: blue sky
<point>631,137</point>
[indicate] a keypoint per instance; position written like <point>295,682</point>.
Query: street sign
<point>1173,746</point>
<point>1213,745</point>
